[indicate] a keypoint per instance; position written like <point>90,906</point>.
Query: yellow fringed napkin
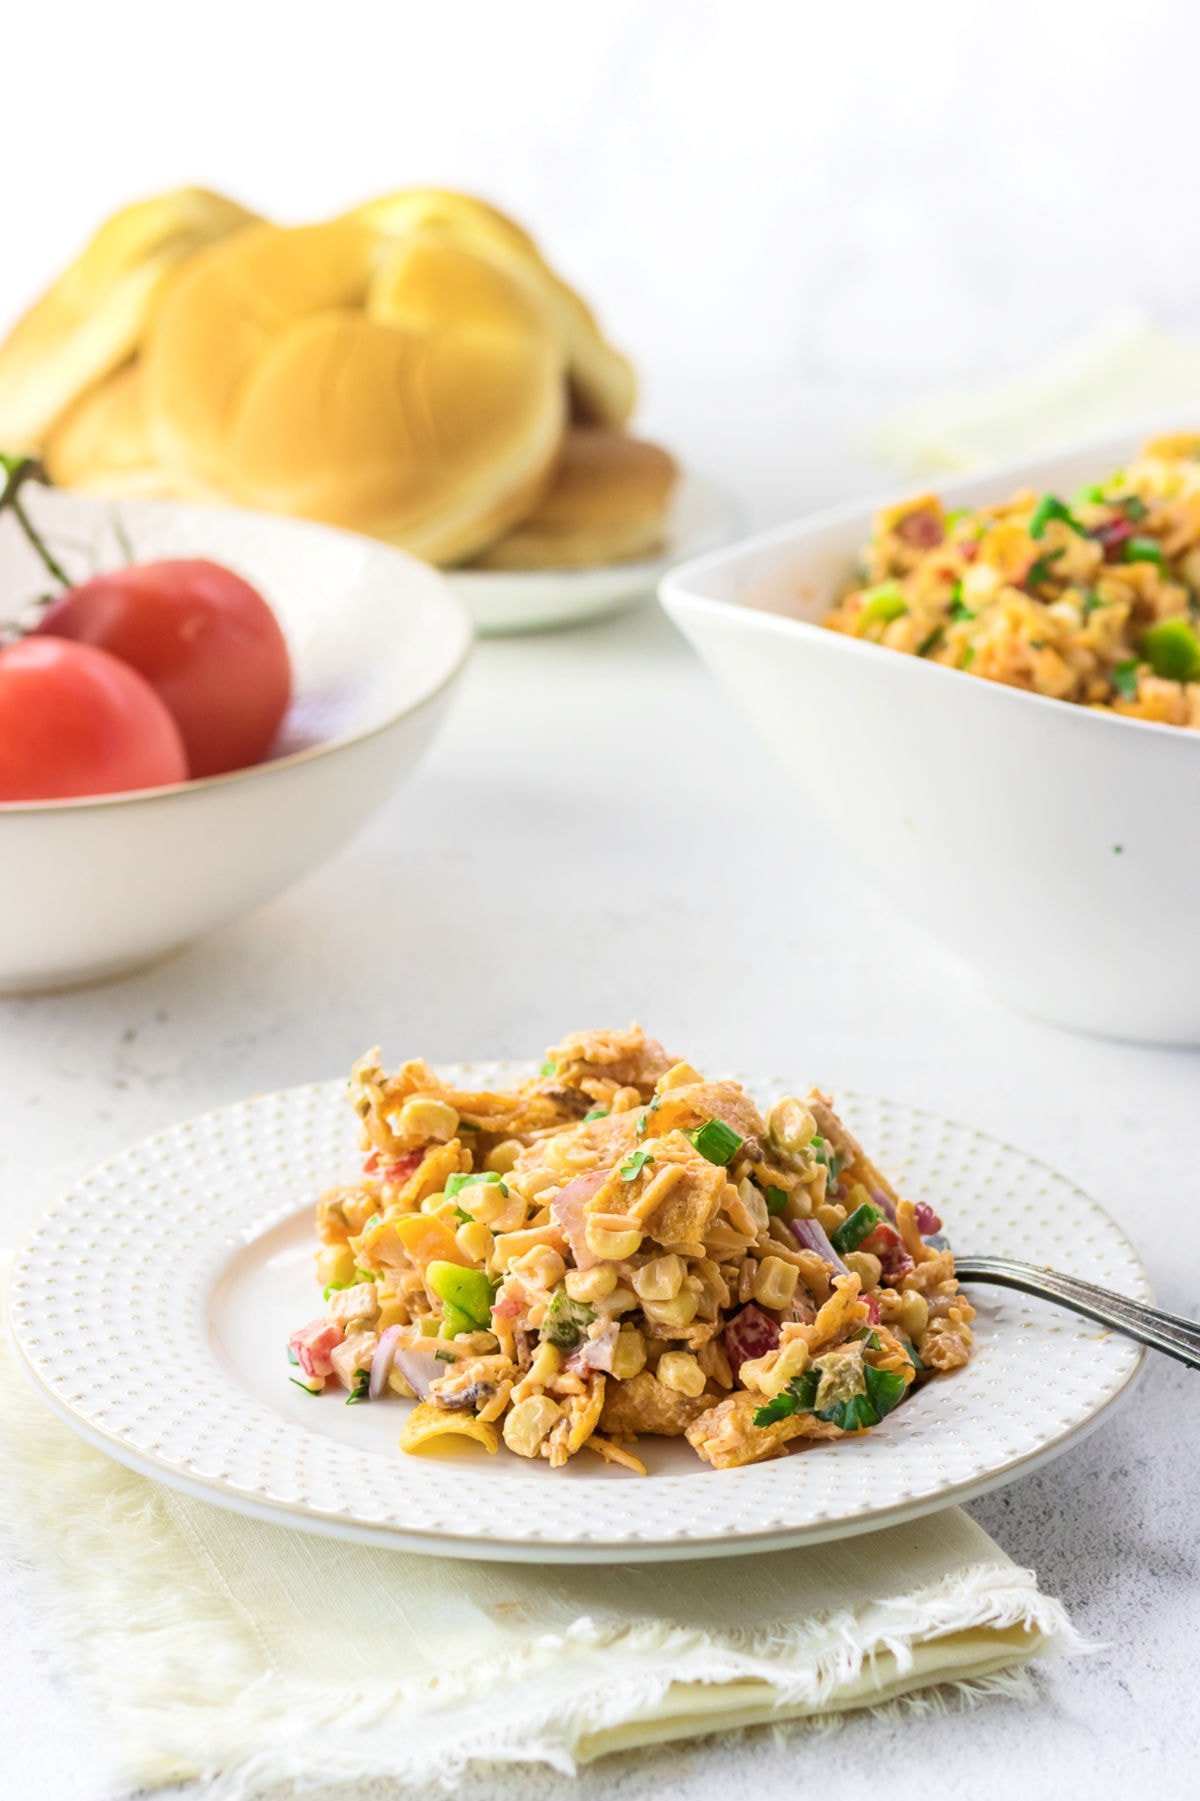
<point>208,1645</point>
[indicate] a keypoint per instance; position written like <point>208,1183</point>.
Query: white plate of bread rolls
<point>413,369</point>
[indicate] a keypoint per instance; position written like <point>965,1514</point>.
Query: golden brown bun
<point>411,388</point>
<point>102,443</point>
<point>603,383</point>
<point>608,504</point>
<point>92,319</point>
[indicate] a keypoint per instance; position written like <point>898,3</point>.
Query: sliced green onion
<point>1041,570</point>
<point>597,1113</point>
<point>361,1390</point>
<point>931,640</point>
<point>634,1164</point>
<point>1090,496</point>
<point>776,1199</point>
<point>456,1184</point>
<point>834,1162</point>
<point>296,1383</point>
<point>1173,650</point>
<point>548,1068</point>
<point>1145,550</point>
<point>968,657</point>
<point>882,605</point>
<point>716,1141</point>
<point>1091,600</point>
<point>861,1223</point>
<point>292,1357</point>
<point>566,1321</point>
<point>959,610</point>
<point>1125,679</point>
<point>1051,507</point>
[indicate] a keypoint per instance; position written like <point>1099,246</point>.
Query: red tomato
<point>205,640</point>
<point>75,721</point>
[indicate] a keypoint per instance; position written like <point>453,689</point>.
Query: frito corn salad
<point>1093,598</point>
<point>617,1247</point>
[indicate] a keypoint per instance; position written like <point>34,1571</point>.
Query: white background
<point>795,218</point>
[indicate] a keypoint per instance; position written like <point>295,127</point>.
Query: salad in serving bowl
<point>619,1246</point>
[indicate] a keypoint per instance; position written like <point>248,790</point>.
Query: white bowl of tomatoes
<point>197,707</point>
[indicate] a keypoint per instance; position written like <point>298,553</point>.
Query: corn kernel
<point>775,1282</point>
<point>830,1215</point>
<point>511,1245</point>
<point>621,1300</point>
<point>660,1279</point>
<point>858,1196</point>
<point>680,1075</point>
<point>678,1312</point>
<point>502,1156</point>
<point>866,1267</point>
<point>591,1284</point>
<point>335,1264</point>
<point>680,1371</point>
<point>475,1241</point>
<point>790,1361</point>
<point>914,1313</point>
<point>527,1424</point>
<point>547,1361</point>
<point>629,1353</point>
<point>609,1235</point>
<point>426,1120</point>
<point>791,1125</point>
<point>487,1202</point>
<point>439,1206</point>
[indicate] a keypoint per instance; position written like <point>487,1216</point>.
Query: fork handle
<point>1167,1332</point>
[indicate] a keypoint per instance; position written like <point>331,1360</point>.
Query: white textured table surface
<point>570,854</point>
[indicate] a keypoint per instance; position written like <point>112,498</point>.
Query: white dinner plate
<point>501,601</point>
<point>154,1302</point>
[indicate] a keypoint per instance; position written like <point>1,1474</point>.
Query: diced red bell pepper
<point>396,1171</point>
<point>1113,536</point>
<point>920,529</point>
<point>313,1345</point>
<point>886,1244</point>
<point>749,1334</point>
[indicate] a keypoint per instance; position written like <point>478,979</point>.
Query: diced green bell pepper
<point>465,1294</point>
<point>1173,650</point>
<point>882,605</point>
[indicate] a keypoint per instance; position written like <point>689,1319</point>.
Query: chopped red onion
<point>927,1219</point>
<point>381,1362</point>
<point>594,1353</point>
<point>884,1203</point>
<point>813,1237</point>
<point>420,1369</point>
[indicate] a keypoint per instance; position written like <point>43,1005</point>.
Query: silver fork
<point>1168,1332</point>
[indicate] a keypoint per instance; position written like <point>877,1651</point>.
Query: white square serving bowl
<point>1053,849</point>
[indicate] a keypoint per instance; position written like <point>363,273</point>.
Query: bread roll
<point>411,389</point>
<point>93,318</point>
<point>603,384</point>
<point>608,504</point>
